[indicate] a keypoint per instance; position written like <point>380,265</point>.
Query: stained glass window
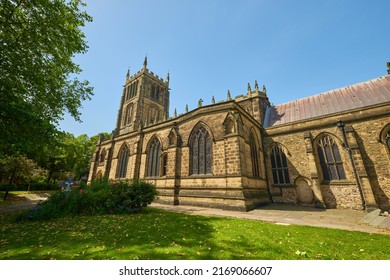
<point>201,152</point>
<point>154,156</point>
<point>330,159</point>
<point>279,166</point>
<point>254,156</point>
<point>123,159</point>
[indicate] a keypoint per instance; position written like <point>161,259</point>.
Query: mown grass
<point>156,234</point>
<point>13,197</point>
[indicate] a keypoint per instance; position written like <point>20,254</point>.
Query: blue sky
<point>295,48</point>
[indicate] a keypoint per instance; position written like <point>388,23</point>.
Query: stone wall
<point>231,184</point>
<point>370,159</point>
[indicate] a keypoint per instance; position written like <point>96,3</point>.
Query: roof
<point>352,97</point>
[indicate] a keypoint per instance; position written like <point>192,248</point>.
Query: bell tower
<point>144,101</point>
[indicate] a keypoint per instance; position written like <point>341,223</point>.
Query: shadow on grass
<point>159,235</point>
<point>150,235</point>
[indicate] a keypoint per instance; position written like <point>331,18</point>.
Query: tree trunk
<point>9,184</point>
<point>49,177</point>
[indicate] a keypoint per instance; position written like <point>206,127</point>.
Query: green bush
<point>101,197</point>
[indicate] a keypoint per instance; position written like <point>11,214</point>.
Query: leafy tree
<point>38,83</point>
<point>72,154</point>
<point>19,168</point>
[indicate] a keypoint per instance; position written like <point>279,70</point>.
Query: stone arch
<point>196,127</point>
<point>282,146</point>
<point>384,136</point>
<point>154,136</point>
<point>123,146</point>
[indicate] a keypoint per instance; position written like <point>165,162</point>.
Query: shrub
<point>102,197</point>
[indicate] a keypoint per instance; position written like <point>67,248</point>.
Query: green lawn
<point>156,234</point>
<point>13,197</point>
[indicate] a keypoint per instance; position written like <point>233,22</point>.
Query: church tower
<point>144,102</point>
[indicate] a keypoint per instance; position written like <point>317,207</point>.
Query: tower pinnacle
<point>167,79</point>
<point>145,62</point>
<point>229,97</point>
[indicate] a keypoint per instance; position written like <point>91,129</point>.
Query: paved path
<point>32,199</point>
<point>290,214</point>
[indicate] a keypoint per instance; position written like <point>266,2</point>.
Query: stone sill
<point>283,186</point>
<point>338,182</point>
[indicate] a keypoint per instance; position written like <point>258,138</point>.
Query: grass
<point>155,234</point>
<point>13,197</point>
<point>17,196</point>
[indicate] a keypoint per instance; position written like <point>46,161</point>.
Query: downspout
<point>265,167</point>
<point>341,126</point>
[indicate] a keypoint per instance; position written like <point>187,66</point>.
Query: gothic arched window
<point>99,176</point>
<point>254,156</point>
<point>154,155</point>
<point>388,140</point>
<point>102,156</point>
<point>330,159</point>
<point>279,166</point>
<point>200,152</point>
<point>128,114</point>
<point>123,159</point>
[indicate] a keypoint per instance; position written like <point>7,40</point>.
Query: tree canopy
<point>38,78</point>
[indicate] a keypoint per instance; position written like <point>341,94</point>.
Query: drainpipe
<point>341,126</point>
<point>266,169</point>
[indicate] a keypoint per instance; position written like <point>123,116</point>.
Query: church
<point>329,150</point>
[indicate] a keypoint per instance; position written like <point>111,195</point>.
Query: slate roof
<point>352,97</point>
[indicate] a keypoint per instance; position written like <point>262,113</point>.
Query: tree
<point>72,154</point>
<point>38,83</point>
<point>19,168</point>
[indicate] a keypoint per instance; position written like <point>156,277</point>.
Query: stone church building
<point>328,150</point>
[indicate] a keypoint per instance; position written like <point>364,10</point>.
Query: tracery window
<point>200,152</point>
<point>388,140</point>
<point>102,156</point>
<point>154,155</point>
<point>164,164</point>
<point>279,166</point>
<point>254,156</point>
<point>153,115</point>
<point>128,114</point>
<point>123,159</point>
<point>330,159</point>
<point>99,175</point>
